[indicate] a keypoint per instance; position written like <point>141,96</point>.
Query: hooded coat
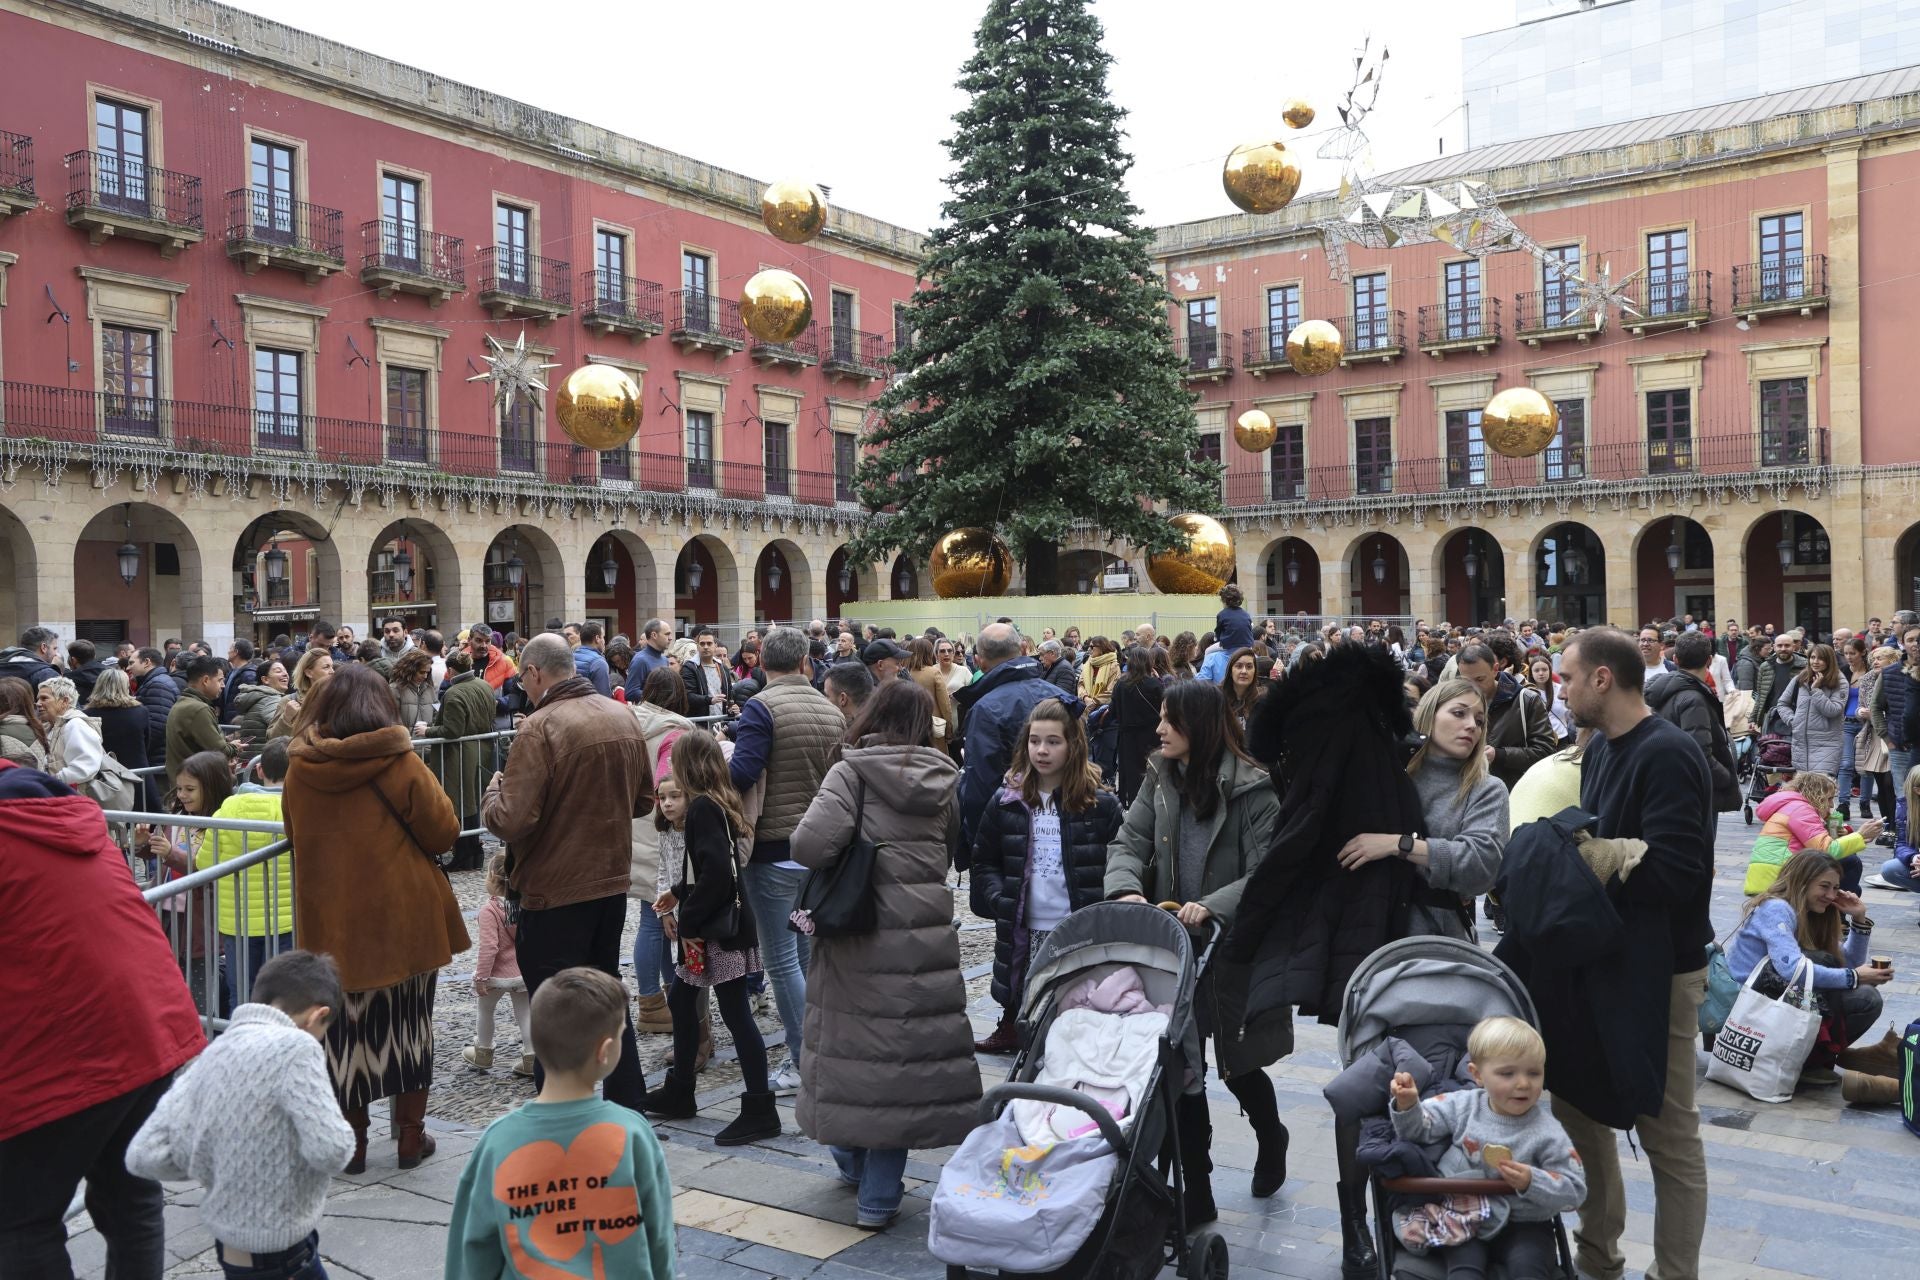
<point>254,708</point>
<point>76,923</point>
<point>1817,720</point>
<point>1684,699</point>
<point>1336,734</point>
<point>995,708</point>
<point>365,891</point>
<point>157,693</point>
<point>888,1047</point>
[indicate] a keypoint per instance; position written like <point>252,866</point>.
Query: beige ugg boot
<point>477,1057</point>
<point>654,1015</point>
<point>1869,1091</point>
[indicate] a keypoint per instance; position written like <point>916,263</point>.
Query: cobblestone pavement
<point>1810,1188</point>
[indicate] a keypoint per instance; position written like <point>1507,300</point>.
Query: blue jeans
<point>880,1171</point>
<point>1849,727</point>
<point>1899,760</point>
<point>238,979</point>
<point>1899,875</point>
<point>302,1262</point>
<point>651,942</point>
<point>783,953</point>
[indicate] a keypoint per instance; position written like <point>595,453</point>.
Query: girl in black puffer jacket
<point>1040,850</point>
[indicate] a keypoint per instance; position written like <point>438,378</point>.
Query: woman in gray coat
<point>1816,710</point>
<point>1201,822</point>
<point>888,1049</point>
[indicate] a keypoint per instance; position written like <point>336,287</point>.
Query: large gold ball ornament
<point>1260,177</point>
<point>793,211</point>
<point>775,306</point>
<point>1254,431</point>
<point>1204,567</point>
<point>970,562</point>
<point>598,406</point>
<point>1297,114</point>
<point>1519,422</point>
<point>1314,346</point>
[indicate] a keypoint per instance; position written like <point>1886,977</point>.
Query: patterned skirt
<point>722,966</point>
<point>382,1044</point>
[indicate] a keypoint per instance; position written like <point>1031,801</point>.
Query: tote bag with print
<point>1765,1040</point>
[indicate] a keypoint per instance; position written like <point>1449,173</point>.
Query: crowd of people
<point>1312,794</point>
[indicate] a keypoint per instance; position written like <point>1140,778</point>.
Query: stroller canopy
<point>1108,933</point>
<point>1423,981</point>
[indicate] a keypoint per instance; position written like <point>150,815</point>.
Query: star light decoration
<point>515,370</point>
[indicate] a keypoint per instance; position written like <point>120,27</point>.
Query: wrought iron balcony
<point>269,230</point>
<point>16,174</point>
<point>1372,335</point>
<point>615,302</point>
<point>513,282</point>
<point>1548,315</point>
<point>849,353</point>
<point>1264,351</point>
<point>802,352</point>
<point>109,195</point>
<point>1206,353</point>
<point>701,321</point>
<point>1674,300</point>
<point>404,257</point>
<point>1471,325</point>
<point>1783,286</point>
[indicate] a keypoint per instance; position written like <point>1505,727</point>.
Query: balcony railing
<point>109,194</point>
<point>1552,313</point>
<point>1670,298</point>
<point>1473,323</point>
<point>406,257</point>
<point>272,228</point>
<point>1783,284</point>
<point>803,350</point>
<point>702,319</point>
<point>1264,350</point>
<point>515,282</point>
<point>617,301</point>
<point>1373,335</point>
<point>1206,353</point>
<point>852,353</point>
<point>16,167</point>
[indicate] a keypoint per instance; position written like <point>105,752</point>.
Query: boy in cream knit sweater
<point>254,1120</point>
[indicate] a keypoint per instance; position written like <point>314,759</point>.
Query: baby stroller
<point>1431,982</point>
<point>1105,1205</point>
<point>1772,765</point>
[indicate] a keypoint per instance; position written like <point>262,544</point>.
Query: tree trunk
<point>1042,559</point>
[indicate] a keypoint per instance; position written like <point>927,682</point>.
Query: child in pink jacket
<point>496,971</point>
<point>1795,818</point>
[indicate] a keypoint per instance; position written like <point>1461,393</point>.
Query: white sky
<point>858,94</point>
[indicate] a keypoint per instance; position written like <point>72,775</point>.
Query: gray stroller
<point>1429,981</point>
<point>1117,1199</point>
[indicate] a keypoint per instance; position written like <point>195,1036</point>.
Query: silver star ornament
<point>515,371</point>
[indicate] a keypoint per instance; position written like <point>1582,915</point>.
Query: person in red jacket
<point>98,1019</point>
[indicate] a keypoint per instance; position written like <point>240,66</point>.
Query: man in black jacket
<point>157,693</point>
<point>1645,780</point>
<point>1058,670</point>
<point>1683,698</point>
<point>35,658</point>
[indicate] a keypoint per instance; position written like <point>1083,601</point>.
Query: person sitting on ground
<point>1899,871</point>
<point>1804,914</point>
<point>254,1122</point>
<point>510,1217</point>
<point>1795,818</point>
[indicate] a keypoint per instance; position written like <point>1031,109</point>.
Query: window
<point>843,466</point>
<point>842,316</point>
<point>1373,455</point>
<point>1558,300</point>
<point>1810,545</point>
<point>902,328</point>
<point>129,379</point>
<point>1466,450</point>
<point>1370,328</point>
<point>1210,446</point>
<point>120,141</point>
<point>400,219</point>
<point>1203,333</point>
<point>699,449</point>
<point>1288,460</point>
<point>1669,431</point>
<point>272,191</point>
<point>696,284</point>
<point>1567,455</point>
<point>276,398</point>
<point>1783,423</point>
<point>517,435</point>
<point>511,225</point>
<point>1283,316</point>
<point>1667,280</point>
<point>1782,248</point>
<point>1463,299</point>
<point>617,464</point>
<point>773,453</point>
<point>610,266</point>
<point>406,414</point>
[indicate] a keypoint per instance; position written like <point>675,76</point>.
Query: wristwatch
<point>1406,845</point>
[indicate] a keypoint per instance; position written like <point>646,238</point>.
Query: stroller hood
<point>1422,981</point>
<point>1104,933</point>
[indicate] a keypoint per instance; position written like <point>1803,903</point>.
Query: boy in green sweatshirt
<point>568,1185</point>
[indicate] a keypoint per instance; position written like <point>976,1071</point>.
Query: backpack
<point>1909,1081</point>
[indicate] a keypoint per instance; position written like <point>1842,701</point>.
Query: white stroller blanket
<point>1107,1056</point>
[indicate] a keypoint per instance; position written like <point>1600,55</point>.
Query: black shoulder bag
<point>723,927</point>
<point>837,901</point>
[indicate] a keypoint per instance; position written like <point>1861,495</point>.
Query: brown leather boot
<point>705,1051</point>
<point>1881,1059</point>
<point>357,1121</point>
<point>1869,1091</point>
<point>1004,1039</point>
<point>410,1111</point>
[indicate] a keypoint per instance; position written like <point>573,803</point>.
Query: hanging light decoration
<point>773,572</point>
<point>1673,554</point>
<point>1379,564</point>
<point>129,554</point>
<point>903,582</point>
<point>403,569</point>
<point>609,568</point>
<point>1785,548</point>
<point>696,573</point>
<point>1471,561</point>
<point>846,580</point>
<point>516,570</point>
<point>276,560</point>
<point>1293,569</point>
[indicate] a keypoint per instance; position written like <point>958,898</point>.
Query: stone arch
<point>1470,566</point>
<point>413,573</point>
<point>1379,576</point>
<point>1789,561</point>
<point>1570,575</point>
<point>706,582</point>
<point>784,600</point>
<point>1289,578</point>
<point>171,587</point>
<point>625,603</point>
<point>1906,573</point>
<point>311,578</point>
<point>20,578</point>
<point>903,571</point>
<point>1673,570</point>
<point>1083,564</point>
<point>848,583</point>
<point>541,593</point>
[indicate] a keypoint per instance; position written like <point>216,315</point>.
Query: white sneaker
<point>1877,881</point>
<point>785,1082</point>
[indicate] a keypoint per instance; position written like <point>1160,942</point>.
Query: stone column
<point>1843,316</point>
<point>1730,572</point>
<point>1622,590</point>
<point>1424,580</point>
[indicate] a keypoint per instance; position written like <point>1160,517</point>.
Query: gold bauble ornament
<point>776,306</point>
<point>1519,422</point>
<point>598,406</point>
<point>1204,567</point>
<point>1297,114</point>
<point>793,211</point>
<point>1260,177</point>
<point>1254,431</point>
<point>1314,346</point>
<point>970,562</point>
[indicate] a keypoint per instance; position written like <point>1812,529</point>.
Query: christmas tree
<point>1040,388</point>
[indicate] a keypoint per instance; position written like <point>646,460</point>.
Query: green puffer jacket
<point>466,709</point>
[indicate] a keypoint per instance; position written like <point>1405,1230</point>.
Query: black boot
<point>673,1100</point>
<point>1196,1159</point>
<point>1254,1091</point>
<point>1357,1258</point>
<point>759,1118</point>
